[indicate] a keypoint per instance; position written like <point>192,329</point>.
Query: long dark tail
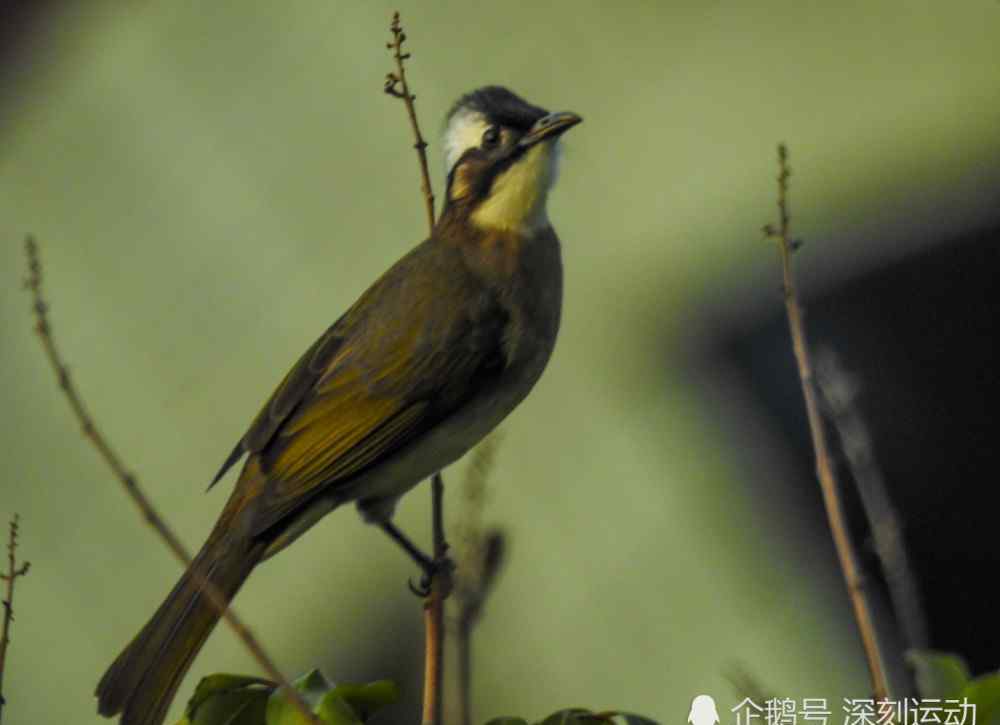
<point>142,682</point>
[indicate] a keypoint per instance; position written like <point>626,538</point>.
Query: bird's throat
<point>517,199</point>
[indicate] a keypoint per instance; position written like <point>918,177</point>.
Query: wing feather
<point>417,345</point>
<point>290,392</point>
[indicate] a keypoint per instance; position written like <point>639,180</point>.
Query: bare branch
<point>849,562</point>
<point>13,572</point>
<point>396,86</point>
<point>131,485</point>
<point>434,614</point>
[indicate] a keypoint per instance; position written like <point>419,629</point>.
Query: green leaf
<point>579,716</point>
<point>576,716</point>
<point>366,699</point>
<point>631,718</point>
<point>938,674</point>
<point>218,683</point>
<point>333,710</point>
<point>313,686</point>
<point>984,691</point>
<point>224,699</point>
<point>235,707</point>
<point>281,711</point>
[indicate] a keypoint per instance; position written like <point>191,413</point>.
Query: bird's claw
<point>422,589</point>
<point>442,568</point>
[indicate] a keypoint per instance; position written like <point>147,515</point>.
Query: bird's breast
<point>530,293</point>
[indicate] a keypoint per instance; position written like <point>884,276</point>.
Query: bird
<point>427,361</point>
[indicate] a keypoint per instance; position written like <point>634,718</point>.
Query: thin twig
<point>13,572</point>
<point>128,480</point>
<point>849,562</point>
<point>840,392</point>
<point>434,614</point>
<point>396,85</point>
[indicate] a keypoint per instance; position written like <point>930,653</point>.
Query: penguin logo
<point>703,711</point>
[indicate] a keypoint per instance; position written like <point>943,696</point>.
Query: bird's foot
<point>440,567</point>
<point>439,570</point>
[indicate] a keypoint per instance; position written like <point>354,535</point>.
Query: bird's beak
<point>549,126</point>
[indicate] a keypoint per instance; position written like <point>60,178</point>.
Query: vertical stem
<point>13,572</point>
<point>824,470</point>
<point>434,615</point>
<point>396,85</point>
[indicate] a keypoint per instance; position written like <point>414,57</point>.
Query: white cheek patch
<point>465,131</point>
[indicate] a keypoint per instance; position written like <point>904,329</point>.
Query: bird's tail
<point>141,683</point>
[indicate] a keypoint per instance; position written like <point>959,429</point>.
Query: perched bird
<point>427,362</point>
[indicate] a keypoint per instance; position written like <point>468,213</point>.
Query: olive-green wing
<point>387,384</point>
<point>417,345</point>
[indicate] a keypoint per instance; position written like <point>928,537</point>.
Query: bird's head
<point>501,157</point>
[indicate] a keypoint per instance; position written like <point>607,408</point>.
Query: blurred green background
<point>213,183</point>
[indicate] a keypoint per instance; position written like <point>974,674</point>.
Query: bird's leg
<point>430,566</point>
<point>424,561</point>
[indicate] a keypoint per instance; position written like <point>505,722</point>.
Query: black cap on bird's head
<point>500,157</point>
<point>500,105</point>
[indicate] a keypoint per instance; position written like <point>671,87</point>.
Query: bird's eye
<point>491,137</point>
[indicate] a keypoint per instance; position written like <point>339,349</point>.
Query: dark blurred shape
<point>919,337</point>
<point>19,22</point>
